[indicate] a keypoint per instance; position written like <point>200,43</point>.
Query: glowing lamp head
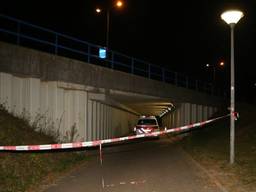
<point>207,65</point>
<point>232,16</point>
<point>222,63</point>
<point>98,10</point>
<point>119,3</point>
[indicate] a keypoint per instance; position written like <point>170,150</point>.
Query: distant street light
<point>118,4</point>
<point>221,64</point>
<point>232,17</point>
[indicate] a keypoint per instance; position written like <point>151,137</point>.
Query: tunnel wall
<point>71,111</point>
<point>187,113</point>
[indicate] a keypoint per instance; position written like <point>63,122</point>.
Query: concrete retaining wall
<point>55,106</point>
<point>32,63</point>
<point>187,113</point>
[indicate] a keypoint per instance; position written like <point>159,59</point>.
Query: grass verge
<point>210,147</point>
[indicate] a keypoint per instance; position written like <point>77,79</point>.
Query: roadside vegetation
<point>210,147</point>
<point>22,171</point>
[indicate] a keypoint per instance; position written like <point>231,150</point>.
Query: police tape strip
<point>104,141</point>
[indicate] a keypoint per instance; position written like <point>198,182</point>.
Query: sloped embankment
<point>20,171</point>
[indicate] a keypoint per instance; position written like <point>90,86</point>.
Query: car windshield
<point>147,122</point>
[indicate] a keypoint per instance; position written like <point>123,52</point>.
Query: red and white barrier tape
<point>104,141</point>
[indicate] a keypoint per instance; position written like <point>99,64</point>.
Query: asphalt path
<point>147,165</point>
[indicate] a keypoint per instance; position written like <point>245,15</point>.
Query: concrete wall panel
<point>17,86</point>
<point>34,96</point>
<point>205,113</point>
<point>89,120</point>
<point>199,112</point>
<point>193,113</point>
<point>6,89</point>
<point>94,120</point>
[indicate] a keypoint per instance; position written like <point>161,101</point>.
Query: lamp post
<point>221,64</point>
<point>118,4</point>
<point>214,70</point>
<point>231,17</point>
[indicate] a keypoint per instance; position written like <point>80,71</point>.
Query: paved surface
<point>140,166</point>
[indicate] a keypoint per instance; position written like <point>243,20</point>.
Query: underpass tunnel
<point>169,113</point>
<point>91,101</point>
<point>144,105</point>
<point>93,113</point>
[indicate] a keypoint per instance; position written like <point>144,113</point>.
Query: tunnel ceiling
<point>142,104</point>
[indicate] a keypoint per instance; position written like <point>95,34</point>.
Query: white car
<point>146,124</point>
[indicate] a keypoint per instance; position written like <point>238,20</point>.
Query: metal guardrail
<point>25,34</point>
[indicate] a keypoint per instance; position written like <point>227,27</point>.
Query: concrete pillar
<point>215,109</point>
<point>85,115</point>
<point>52,102</point>
<point>60,124</point>
<point>210,111</point>
<point>17,86</point>
<point>66,113</point>
<point>104,121</point>
<point>25,98</point>
<point>70,111</point>
<point>115,122</point>
<point>170,121</point>
<point>173,119</point>
<point>193,113</point>
<point>82,104</point>
<point>94,120</point>
<point>76,103</point>
<point>89,120</point>
<point>187,113</point>
<point>123,123</point>
<point>177,117</point>
<point>181,115</point>
<point>5,89</point>
<point>111,123</point>
<point>199,113</point>
<point>34,97</point>
<point>205,112</point>
<point>44,99</point>
<point>98,120</point>
<point>102,135</point>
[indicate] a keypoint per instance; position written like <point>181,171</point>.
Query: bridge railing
<point>26,34</point>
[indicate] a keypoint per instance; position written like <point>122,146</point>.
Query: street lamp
<point>221,64</point>
<point>118,4</point>
<point>232,17</point>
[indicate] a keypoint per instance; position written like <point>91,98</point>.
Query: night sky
<point>183,36</point>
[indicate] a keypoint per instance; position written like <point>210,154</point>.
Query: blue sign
<point>102,53</point>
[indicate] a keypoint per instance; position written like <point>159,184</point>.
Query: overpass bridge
<point>84,101</point>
